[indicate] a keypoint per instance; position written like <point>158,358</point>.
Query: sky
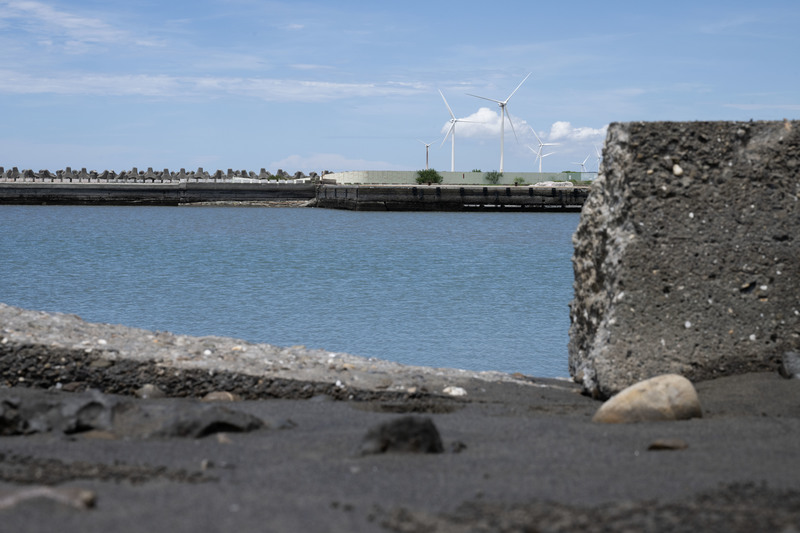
<point>354,85</point>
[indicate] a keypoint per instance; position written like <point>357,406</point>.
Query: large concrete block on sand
<point>687,254</point>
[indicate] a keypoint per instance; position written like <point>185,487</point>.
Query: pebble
<point>668,444</point>
<point>454,391</point>
<point>221,396</point>
<point>71,496</point>
<point>149,390</point>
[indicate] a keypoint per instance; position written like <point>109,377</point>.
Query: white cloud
<point>268,89</point>
<point>562,130</point>
<point>74,31</point>
<point>333,162</point>
<point>485,123</point>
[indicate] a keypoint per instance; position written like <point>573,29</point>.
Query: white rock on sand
<point>665,397</point>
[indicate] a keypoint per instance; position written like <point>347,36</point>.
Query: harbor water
<point>479,291</point>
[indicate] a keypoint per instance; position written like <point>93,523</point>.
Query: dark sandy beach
<point>86,445</point>
<point>517,457</point>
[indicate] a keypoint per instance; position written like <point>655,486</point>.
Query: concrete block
<point>686,254</point>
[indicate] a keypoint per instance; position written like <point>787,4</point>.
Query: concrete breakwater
<point>153,193</point>
<point>135,175</point>
<point>150,188</point>
<point>451,197</point>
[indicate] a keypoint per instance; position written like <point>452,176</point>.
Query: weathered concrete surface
<point>686,255</point>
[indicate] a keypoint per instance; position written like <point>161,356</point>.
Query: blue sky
<point>353,85</point>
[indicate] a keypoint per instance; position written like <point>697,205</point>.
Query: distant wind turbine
<point>538,152</point>
<point>503,114</point>
<point>582,165</point>
<point>452,132</point>
<point>539,155</point>
<point>427,145</point>
<point>599,157</point>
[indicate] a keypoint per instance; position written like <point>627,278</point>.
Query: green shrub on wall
<point>493,177</point>
<point>429,175</point>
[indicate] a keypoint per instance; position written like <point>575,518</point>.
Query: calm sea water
<point>480,291</point>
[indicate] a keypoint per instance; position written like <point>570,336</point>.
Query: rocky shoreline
<point>101,423</point>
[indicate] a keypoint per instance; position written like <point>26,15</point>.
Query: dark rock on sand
<point>409,434</point>
<point>668,444</point>
<point>190,420</point>
<point>23,412</point>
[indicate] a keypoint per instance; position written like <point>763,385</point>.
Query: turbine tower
<point>427,145</point>
<point>503,114</point>
<point>599,157</point>
<point>539,155</point>
<point>451,131</point>
<point>538,152</point>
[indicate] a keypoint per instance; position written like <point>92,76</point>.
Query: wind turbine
<point>539,155</point>
<point>451,131</point>
<point>538,152</point>
<point>427,145</point>
<point>583,165</point>
<point>503,115</point>
<point>599,157</point>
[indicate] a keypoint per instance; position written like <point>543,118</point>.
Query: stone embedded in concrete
<point>662,398</point>
<point>790,365</point>
<point>691,272</point>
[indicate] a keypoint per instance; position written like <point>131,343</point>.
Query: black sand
<point>517,458</point>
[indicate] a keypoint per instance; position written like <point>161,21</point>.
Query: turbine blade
<point>445,103</point>
<point>534,134</point>
<point>484,98</point>
<point>450,130</point>
<point>518,86</point>
<point>511,122</point>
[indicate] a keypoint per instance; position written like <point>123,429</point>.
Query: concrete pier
<point>450,198</point>
<point>150,192</point>
<point>147,189</point>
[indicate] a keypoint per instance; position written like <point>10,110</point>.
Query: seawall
<point>151,192</point>
<point>451,198</point>
<point>99,191</point>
